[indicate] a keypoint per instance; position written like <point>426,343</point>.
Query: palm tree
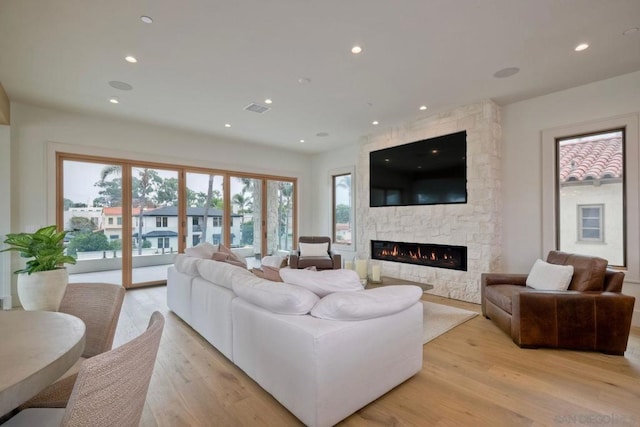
<point>145,185</point>
<point>207,204</point>
<point>253,188</point>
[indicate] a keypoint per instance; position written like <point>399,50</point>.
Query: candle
<point>348,264</point>
<point>361,268</point>
<point>375,273</point>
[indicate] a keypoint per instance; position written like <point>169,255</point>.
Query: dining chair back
<point>110,389</point>
<point>98,305</point>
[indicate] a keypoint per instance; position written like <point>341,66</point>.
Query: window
<point>195,239</point>
<point>110,221</point>
<point>114,237</point>
<point>590,223</point>
<point>161,221</point>
<point>217,221</point>
<point>590,179</point>
<point>342,209</point>
<point>119,220</point>
<point>163,242</point>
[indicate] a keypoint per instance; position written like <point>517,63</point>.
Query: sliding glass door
<point>92,217</point>
<point>127,220</point>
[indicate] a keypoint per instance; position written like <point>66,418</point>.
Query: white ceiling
<point>202,61</point>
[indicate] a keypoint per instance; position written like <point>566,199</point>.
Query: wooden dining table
<point>36,348</point>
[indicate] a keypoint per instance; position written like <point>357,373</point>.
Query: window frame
<point>630,124</point>
<point>333,173</point>
<point>581,227</point>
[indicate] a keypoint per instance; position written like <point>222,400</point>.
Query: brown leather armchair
<point>325,262</point>
<point>592,314</point>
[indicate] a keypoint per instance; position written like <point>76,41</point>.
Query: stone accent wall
<point>476,224</point>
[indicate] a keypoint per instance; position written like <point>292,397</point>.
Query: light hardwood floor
<point>472,376</point>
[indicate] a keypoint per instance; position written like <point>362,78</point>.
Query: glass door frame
<point>127,220</point>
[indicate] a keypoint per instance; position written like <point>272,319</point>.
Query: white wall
<point>36,133</point>
<point>324,166</point>
<point>5,213</point>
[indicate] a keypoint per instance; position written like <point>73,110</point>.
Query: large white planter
<point>42,290</point>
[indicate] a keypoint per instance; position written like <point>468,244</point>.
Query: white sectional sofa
<point>321,370</point>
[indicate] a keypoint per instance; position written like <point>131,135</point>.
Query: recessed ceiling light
<point>506,72</point>
<point>302,141</point>
<point>268,101</point>
<point>227,125</point>
<point>114,100</point>
<point>423,107</point>
<point>581,47</point>
<point>387,160</point>
<point>304,80</point>
<point>131,59</point>
<point>356,49</point>
<point>630,31</point>
<point>434,151</point>
<point>146,19</point>
<point>375,122</point>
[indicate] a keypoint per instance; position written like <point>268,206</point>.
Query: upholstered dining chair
<point>98,305</point>
<point>111,387</point>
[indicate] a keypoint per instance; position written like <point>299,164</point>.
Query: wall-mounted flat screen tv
<point>428,172</point>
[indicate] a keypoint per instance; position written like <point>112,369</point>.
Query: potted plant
<point>43,281</point>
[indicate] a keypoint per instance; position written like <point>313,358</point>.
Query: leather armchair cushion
<point>588,271</point>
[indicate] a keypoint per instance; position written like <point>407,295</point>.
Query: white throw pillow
<point>367,304</point>
<point>202,250</point>
<point>549,277</point>
<point>272,261</point>
<point>323,282</point>
<point>273,296</point>
<point>314,249</point>
<point>186,264</point>
<point>220,272</point>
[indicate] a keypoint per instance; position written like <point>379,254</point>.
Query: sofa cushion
<point>323,282</point>
<point>187,265</point>
<point>276,297</point>
<point>220,273</point>
<point>313,249</point>
<point>367,304</point>
<point>202,250</point>
<point>276,261</point>
<point>232,257</point>
<point>502,295</point>
<point>549,277</point>
<point>588,271</point>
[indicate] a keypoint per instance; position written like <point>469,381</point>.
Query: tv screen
<point>428,172</point>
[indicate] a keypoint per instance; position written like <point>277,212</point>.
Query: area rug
<point>439,319</point>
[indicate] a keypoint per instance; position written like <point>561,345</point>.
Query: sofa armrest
<point>337,260</point>
<point>488,279</point>
<point>580,320</point>
<point>293,260</point>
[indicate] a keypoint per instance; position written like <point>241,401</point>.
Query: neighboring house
<point>112,222</point>
<point>92,214</point>
<point>161,227</point>
<point>591,197</point>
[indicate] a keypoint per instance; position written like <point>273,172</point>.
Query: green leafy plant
<point>45,246</point>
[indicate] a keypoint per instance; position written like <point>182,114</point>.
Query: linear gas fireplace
<point>432,255</point>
